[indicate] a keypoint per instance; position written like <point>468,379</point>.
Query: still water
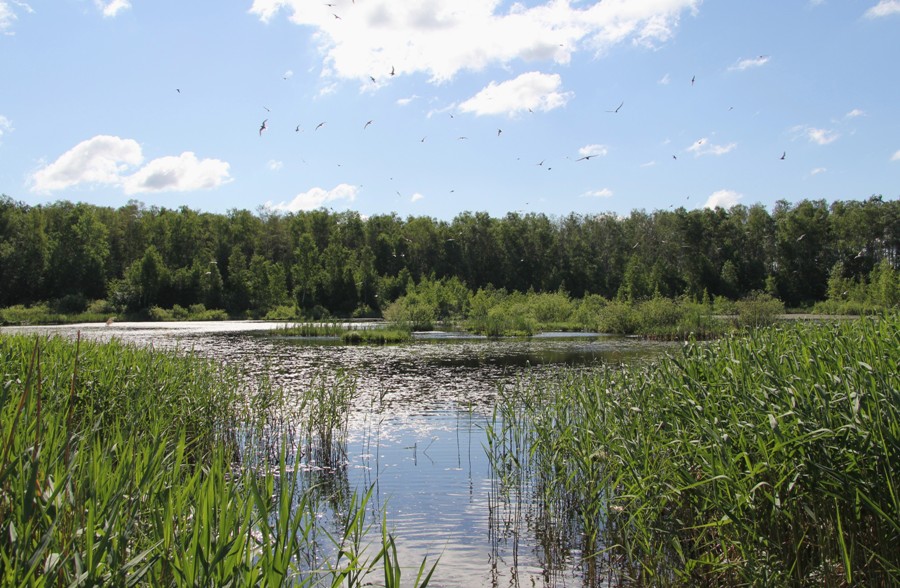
<point>416,432</point>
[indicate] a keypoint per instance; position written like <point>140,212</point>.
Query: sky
<point>439,107</point>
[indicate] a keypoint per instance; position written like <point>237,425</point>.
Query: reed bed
<point>122,466</point>
<point>766,459</point>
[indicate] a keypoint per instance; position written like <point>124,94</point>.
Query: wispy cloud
<point>405,101</point>
<point>752,62</point>
<point>317,198</point>
<point>884,8</point>
<point>528,92</point>
<point>288,74</point>
<point>107,160</point>
<point>593,150</point>
<point>815,135</point>
<point>664,80</point>
<point>704,147</point>
<point>111,8</point>
<point>441,38</point>
<point>817,171</point>
<point>601,193</point>
<point>5,126</point>
<point>723,199</point>
<point>856,112</point>
<point>8,16</point>
<point>896,156</point>
<point>275,165</point>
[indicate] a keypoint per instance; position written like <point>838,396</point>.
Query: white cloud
<point>99,160</point>
<point>416,197</point>
<point>529,91</point>
<point>855,113</point>
<point>752,62</point>
<point>884,8</point>
<point>316,198</point>
<point>111,8</point>
<point>5,125</point>
<point>602,193</point>
<point>704,147</point>
<point>723,199</point>
<point>896,156</point>
<point>106,159</point>
<point>183,173</point>
<point>593,150</point>
<point>405,101</point>
<point>664,80</point>
<point>441,38</point>
<point>817,171</point>
<point>275,165</point>
<point>288,74</point>
<point>822,136</point>
<point>814,135</point>
<point>649,163</point>
<point>8,16</point>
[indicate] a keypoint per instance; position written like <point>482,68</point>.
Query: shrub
<point>758,310</point>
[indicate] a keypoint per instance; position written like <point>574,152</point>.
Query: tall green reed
<point>767,459</point>
<point>119,466</point>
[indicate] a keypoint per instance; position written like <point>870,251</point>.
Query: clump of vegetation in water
<point>765,459</point>
<point>123,467</point>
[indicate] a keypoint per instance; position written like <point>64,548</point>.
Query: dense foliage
<point>320,262</point>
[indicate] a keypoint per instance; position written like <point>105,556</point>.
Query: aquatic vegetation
<point>763,459</point>
<point>124,466</point>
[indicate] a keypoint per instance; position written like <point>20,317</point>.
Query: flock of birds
<point>263,127</point>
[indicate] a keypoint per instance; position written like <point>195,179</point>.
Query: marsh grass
<point>763,459</point>
<point>121,467</point>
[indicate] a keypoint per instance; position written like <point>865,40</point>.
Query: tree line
<point>341,263</point>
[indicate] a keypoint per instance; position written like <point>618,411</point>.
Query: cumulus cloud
<point>884,8</point>
<point>601,193</point>
<point>855,113</point>
<point>723,199</point>
<point>100,160</point>
<point>275,165</point>
<point>111,8</point>
<point>896,156</point>
<point>107,159</point>
<point>704,147</point>
<point>440,38</point>
<point>593,150</point>
<point>416,197</point>
<point>182,173</point>
<point>316,198</point>
<point>288,74</point>
<point>529,91</point>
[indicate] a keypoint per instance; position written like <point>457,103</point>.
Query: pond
<point>416,432</point>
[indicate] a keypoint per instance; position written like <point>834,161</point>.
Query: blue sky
<point>476,105</point>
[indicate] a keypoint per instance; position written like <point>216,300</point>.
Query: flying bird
<point>178,90</point>
<point>586,157</point>
<point>783,155</point>
<point>392,70</point>
<point>372,78</point>
<point>461,138</point>
<point>321,124</point>
<point>693,79</point>
<point>297,130</point>
<point>337,17</point>
<point>499,131</point>
<point>366,125</point>
<point>617,107</point>
<point>800,238</point>
<point>262,127</point>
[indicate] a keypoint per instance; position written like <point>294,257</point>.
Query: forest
<point>76,256</point>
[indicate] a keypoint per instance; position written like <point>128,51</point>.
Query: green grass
<point>121,466</point>
<point>764,459</point>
